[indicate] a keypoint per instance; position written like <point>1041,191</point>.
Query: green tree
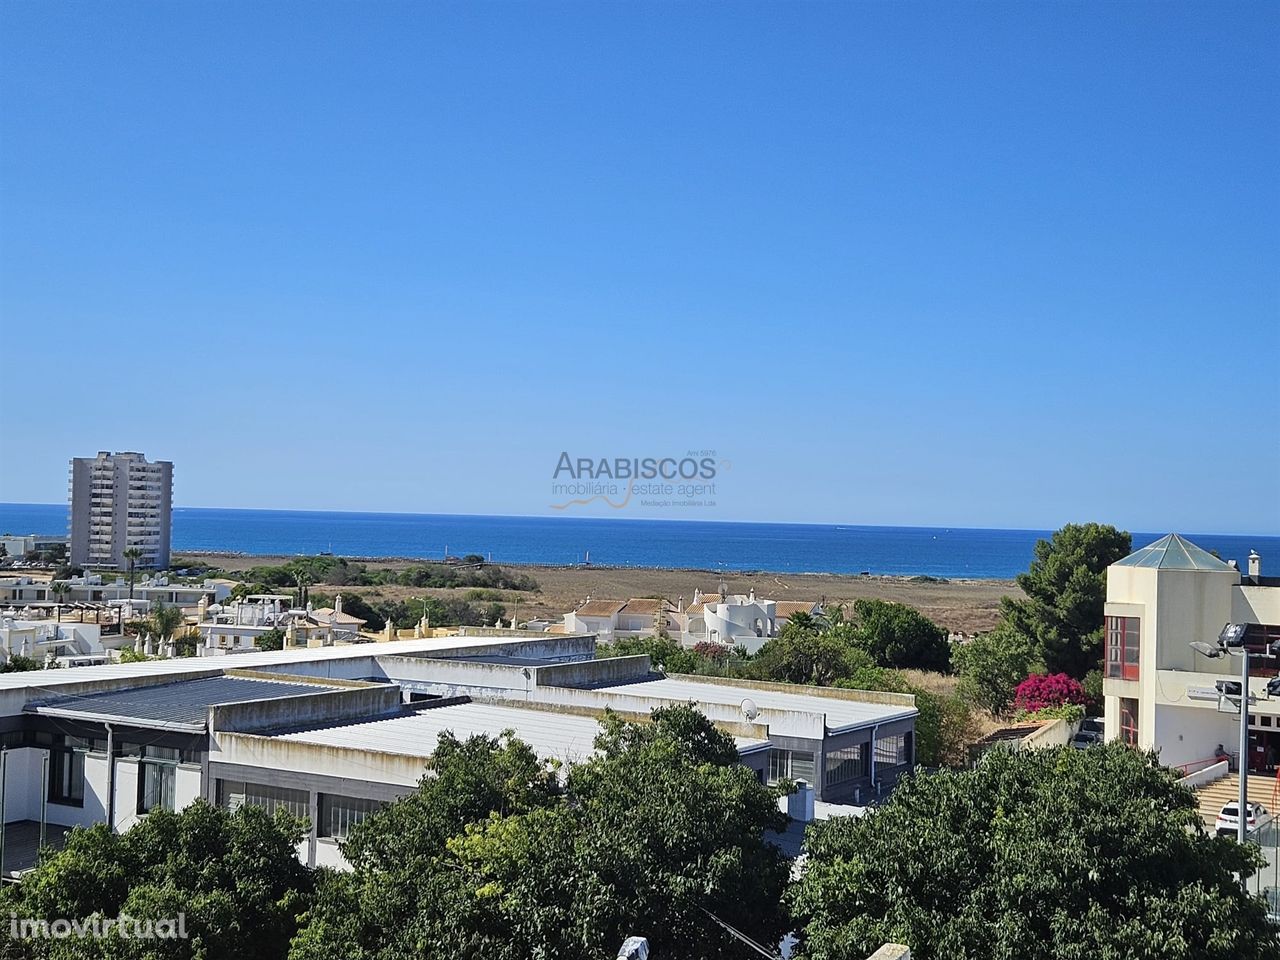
<point>661,826</point>
<point>897,635</point>
<point>165,620</point>
<point>272,639</point>
<point>235,877</point>
<point>1053,855</point>
<point>802,654</point>
<point>397,855</point>
<point>17,663</point>
<point>1066,589</point>
<point>662,652</point>
<point>991,665</point>
<point>133,555</point>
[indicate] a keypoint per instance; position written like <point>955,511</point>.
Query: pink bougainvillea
<point>712,651</point>
<point>1042,690</point>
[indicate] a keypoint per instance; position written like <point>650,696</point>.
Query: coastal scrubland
<point>959,606</point>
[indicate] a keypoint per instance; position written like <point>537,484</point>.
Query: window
<point>1122,647</point>
<point>157,778</point>
<point>1129,721</point>
<point>846,764</point>
<point>792,765</point>
<point>338,815</point>
<point>891,751</point>
<point>66,771</point>
<point>234,794</point>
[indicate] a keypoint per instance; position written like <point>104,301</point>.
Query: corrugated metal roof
<point>183,705</point>
<point>1172,552</point>
<point>553,735</point>
<point>842,715</point>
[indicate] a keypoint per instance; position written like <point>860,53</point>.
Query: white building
<point>39,639</point>
<point>727,620</point>
<point>235,627</point>
<point>1159,693</point>
<point>335,732</point>
<point>19,546</point>
<point>611,619</point>
<point>93,588</point>
<point>120,502</point>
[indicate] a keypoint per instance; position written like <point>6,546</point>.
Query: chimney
<point>337,605</point>
<point>1233,565</point>
<point>1255,565</point>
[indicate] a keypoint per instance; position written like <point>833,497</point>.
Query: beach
<point>958,605</point>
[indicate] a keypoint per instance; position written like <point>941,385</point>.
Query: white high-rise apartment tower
<point>120,501</point>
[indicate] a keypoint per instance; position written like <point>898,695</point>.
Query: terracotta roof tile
<point>600,608</point>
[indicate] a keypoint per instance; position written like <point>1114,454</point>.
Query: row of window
<point>157,785</point>
<point>839,766</point>
<point>791,765</point>
<point>338,815</point>
<point>891,751</point>
<point>157,766</point>
<point>1122,647</point>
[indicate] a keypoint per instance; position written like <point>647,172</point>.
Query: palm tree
<point>60,589</point>
<point>133,555</point>
<point>303,581</point>
<point>165,621</point>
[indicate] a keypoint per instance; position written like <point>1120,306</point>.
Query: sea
<point>946,552</point>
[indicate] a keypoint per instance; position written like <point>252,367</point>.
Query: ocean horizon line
<point>984,553</point>
<point>681,520</point>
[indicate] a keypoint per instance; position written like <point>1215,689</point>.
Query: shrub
<point>716,652</point>
<point>1041,690</point>
<point>990,665</point>
<point>1070,712</point>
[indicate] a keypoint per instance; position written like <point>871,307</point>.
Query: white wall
<point>329,855</point>
<point>188,785</point>
<point>1183,734</point>
<point>95,792</point>
<point>23,786</point>
<point>126,812</point>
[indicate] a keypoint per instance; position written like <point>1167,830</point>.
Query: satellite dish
<point>749,709</point>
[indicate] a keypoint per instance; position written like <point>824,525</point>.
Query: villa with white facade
<point>731,620</point>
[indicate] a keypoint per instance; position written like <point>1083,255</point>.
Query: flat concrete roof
<point>842,715</point>
<point>182,705</point>
<point>553,735</point>
<point>239,661</point>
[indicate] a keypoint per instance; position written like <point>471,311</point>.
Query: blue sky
<point>962,264</point>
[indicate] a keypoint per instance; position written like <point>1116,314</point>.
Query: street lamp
<point>1231,642</point>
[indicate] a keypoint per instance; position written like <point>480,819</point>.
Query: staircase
<point>1262,789</point>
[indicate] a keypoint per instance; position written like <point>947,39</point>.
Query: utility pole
<point>4,783</point>
<point>1243,826</point>
<point>44,797</point>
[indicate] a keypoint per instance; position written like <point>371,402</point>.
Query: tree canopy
<point>1066,590</point>
<point>991,665</point>
<point>492,858</point>
<point>1055,854</point>
<point>896,635</point>
<point>808,653</point>
<point>235,877</point>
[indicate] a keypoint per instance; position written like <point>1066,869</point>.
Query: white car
<point>1228,822</point>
